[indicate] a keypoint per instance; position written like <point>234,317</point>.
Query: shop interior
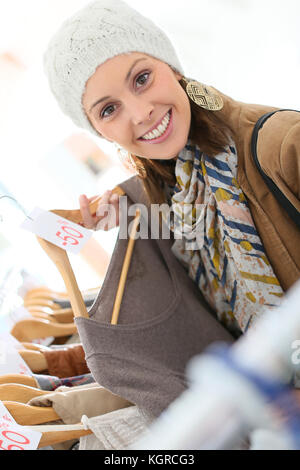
<point>47,163</point>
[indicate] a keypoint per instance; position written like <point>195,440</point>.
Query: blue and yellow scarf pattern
<point>219,244</point>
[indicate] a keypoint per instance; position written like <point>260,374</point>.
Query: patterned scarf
<point>216,239</point>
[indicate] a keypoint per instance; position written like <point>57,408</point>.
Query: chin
<point>171,156</point>
<point>159,157</point>
<point>177,149</point>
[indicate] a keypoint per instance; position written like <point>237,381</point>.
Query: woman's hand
<point>107,214</point>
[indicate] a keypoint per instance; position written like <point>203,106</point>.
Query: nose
<point>140,110</point>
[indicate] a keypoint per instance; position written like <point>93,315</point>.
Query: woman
<point>115,73</point>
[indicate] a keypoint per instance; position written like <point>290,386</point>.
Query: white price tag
<point>16,437</point>
<point>10,360</point>
<point>57,230</point>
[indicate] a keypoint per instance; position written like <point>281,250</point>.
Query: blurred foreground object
<point>238,390</point>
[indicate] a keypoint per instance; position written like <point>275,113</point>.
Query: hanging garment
<point>50,382</point>
<point>67,304</point>
<point>72,403</point>
<point>114,431</point>
<point>66,361</point>
<point>163,322</point>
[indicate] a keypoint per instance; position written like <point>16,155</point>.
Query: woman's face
<point>137,102</point>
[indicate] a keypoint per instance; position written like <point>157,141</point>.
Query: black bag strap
<point>281,198</point>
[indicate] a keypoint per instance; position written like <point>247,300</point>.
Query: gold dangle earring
<point>138,166</point>
<point>203,95</point>
<point>130,163</point>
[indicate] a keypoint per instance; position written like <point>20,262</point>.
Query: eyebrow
<point>126,80</point>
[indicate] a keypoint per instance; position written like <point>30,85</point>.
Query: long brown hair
<point>207,131</point>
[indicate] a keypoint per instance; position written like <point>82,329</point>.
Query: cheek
<point>107,130</point>
<point>185,106</point>
<point>116,132</point>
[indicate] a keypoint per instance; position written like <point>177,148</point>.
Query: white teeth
<point>159,130</point>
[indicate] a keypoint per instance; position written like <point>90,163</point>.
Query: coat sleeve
<point>278,150</point>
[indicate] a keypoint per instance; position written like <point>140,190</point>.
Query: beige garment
<point>116,430</point>
<point>71,403</point>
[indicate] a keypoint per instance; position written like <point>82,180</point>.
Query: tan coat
<point>278,150</point>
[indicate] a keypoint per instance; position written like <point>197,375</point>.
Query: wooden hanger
<point>45,293</point>
<point>18,379</point>
<point>35,346</point>
<point>48,294</point>
<point>60,258</point>
<point>125,267</point>
<point>60,433</point>
<point>29,329</point>
<point>40,314</point>
<point>75,215</point>
<point>40,302</point>
<point>27,415</point>
<point>64,315</point>
<point>19,392</point>
<point>63,434</point>
<point>35,360</point>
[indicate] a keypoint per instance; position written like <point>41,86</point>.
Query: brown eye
<point>143,78</point>
<point>110,110</point>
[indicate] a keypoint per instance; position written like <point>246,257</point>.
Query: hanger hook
<point>10,197</point>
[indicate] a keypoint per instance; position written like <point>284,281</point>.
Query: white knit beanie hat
<point>101,30</point>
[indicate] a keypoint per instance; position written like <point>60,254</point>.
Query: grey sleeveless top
<point>163,322</point>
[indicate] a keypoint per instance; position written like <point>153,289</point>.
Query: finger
<point>88,220</point>
<point>93,198</point>
<point>114,198</point>
<point>104,201</point>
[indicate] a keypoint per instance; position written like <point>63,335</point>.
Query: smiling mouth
<point>159,130</point>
